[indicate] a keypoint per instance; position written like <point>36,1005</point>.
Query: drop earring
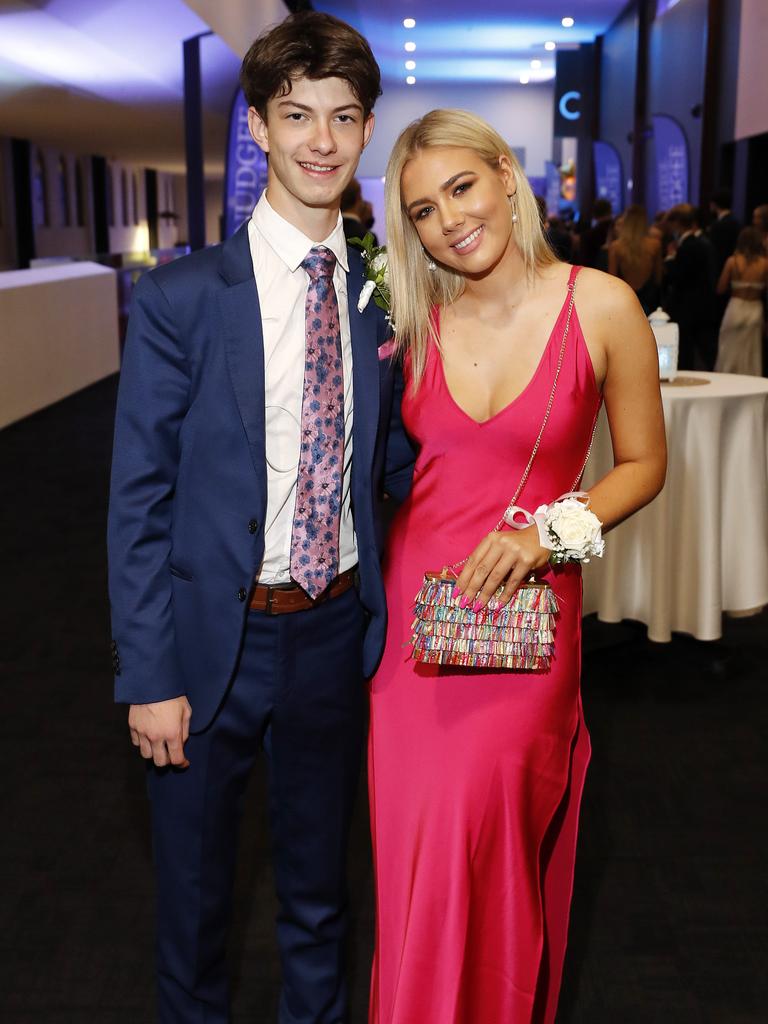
<point>513,204</point>
<point>431,265</point>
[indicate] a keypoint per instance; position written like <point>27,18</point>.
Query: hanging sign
<point>670,165</point>
<point>246,175</point>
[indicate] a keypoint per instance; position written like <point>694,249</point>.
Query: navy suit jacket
<point>189,478</point>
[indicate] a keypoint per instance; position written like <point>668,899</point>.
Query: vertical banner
<point>608,175</point>
<point>246,175</point>
<point>670,163</point>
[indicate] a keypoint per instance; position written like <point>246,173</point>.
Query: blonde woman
<point>635,257</point>
<point>476,775</point>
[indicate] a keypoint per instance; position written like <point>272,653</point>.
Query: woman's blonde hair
<point>415,289</point>
<point>631,233</point>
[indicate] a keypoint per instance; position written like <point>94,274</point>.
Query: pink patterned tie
<point>317,516</point>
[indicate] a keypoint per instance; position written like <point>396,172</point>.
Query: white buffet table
<point>701,547</point>
<point>58,334</point>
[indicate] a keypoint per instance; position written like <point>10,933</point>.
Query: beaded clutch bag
<point>519,635</point>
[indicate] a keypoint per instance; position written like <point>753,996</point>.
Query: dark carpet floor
<point>670,909</point>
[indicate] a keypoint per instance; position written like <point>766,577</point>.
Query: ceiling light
<point>524,79</point>
<point>410,47</point>
<point>535,63</point>
<point>410,65</point>
<point>549,46</point>
<point>409,23</point>
<point>410,80</point>
<point>567,23</point>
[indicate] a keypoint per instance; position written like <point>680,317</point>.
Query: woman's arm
<point>632,397</point>
<point>725,277</point>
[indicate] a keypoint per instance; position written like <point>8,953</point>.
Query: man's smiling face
<point>314,136</point>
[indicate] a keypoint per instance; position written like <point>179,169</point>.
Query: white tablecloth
<point>701,547</point>
<point>58,334</point>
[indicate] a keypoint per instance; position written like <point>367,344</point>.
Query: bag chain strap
<point>537,443</point>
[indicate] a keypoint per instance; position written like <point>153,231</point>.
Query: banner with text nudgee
<point>246,175</point>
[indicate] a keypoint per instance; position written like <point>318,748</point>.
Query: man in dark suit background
<point>592,251</point>
<point>689,288</point>
<point>247,598</point>
<point>352,210</point>
<point>724,229</point>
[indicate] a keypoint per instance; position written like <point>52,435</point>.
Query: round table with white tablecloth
<point>701,547</point>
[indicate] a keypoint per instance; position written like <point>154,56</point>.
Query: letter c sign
<point>565,110</point>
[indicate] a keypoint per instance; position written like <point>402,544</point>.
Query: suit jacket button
<point>242,594</point>
<point>253,526</point>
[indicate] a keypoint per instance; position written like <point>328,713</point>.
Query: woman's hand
<point>506,557</point>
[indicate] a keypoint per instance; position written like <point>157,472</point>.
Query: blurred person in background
<point>366,212</point>
<point>556,232</point>
<point>635,256</point>
<point>760,221</point>
<point>591,245</point>
<point>745,275</point>
<point>351,210</point>
<point>724,229</point>
<point>689,288</point>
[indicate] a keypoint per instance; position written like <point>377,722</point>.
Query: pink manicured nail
<point>465,602</point>
<point>455,593</point>
<point>477,606</point>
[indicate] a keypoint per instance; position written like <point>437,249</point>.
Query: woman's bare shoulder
<point>604,294</point>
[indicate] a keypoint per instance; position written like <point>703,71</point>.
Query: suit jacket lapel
<point>244,343</point>
<point>365,370</point>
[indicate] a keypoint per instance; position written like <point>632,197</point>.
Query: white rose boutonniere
<point>376,272</point>
<point>574,532</point>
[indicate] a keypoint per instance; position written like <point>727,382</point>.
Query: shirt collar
<point>291,244</point>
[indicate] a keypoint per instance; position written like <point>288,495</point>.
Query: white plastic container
<point>667,336</point>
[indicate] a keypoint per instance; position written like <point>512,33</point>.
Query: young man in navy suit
<point>255,424</point>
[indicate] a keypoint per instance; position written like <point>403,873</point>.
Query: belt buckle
<point>270,595</point>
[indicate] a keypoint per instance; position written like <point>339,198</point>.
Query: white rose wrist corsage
<point>567,527</point>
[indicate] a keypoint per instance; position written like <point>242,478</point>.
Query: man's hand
<point>160,730</point>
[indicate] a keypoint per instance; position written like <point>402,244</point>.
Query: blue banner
<point>670,165</point>
<point>609,180</point>
<point>246,176</point>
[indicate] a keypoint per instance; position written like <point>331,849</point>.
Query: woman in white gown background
<point>740,347</point>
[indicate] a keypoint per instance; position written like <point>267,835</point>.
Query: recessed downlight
<point>410,65</point>
<point>567,23</point>
<point>535,63</point>
<point>409,47</point>
<point>524,79</point>
<point>409,23</point>
<point>410,80</point>
<point>549,45</point>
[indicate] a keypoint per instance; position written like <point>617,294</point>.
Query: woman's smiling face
<point>460,207</point>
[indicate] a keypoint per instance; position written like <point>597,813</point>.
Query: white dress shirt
<point>277,251</point>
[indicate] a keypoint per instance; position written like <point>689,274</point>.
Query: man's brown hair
<point>311,45</point>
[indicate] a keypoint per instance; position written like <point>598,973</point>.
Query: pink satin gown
<point>476,776</point>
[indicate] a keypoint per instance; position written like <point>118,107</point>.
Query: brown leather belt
<point>281,598</point>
